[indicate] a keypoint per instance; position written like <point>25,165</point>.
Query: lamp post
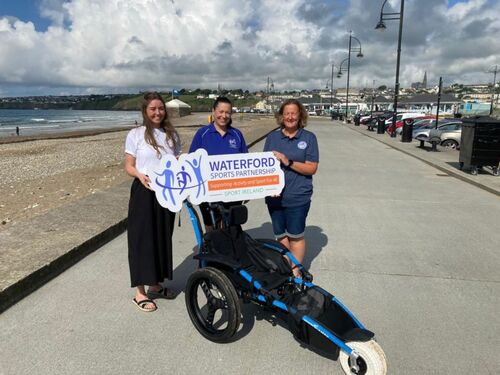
<point>339,74</point>
<point>440,87</point>
<point>381,26</point>
<point>270,88</point>
<point>494,71</point>
<point>331,93</point>
<point>373,99</point>
<point>360,54</point>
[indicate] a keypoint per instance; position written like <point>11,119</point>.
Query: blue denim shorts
<point>288,221</point>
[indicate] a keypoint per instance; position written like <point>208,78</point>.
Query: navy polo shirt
<point>302,147</point>
<point>210,139</point>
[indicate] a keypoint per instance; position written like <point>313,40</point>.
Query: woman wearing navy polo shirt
<point>297,150</point>
<point>218,138</point>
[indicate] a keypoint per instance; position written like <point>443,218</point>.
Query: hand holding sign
<point>203,178</point>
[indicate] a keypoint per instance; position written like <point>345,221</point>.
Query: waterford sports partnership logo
<point>175,180</point>
<point>203,178</point>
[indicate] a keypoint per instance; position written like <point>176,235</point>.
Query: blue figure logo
<point>196,166</point>
<point>183,178</point>
<point>178,179</point>
<point>169,181</point>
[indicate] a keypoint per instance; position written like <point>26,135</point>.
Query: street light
<point>269,90</point>
<point>494,71</point>
<point>381,26</point>
<point>360,54</point>
<point>339,74</point>
<point>331,92</point>
<point>373,99</point>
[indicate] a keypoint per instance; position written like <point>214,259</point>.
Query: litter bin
<point>407,134</point>
<point>480,144</point>
<point>380,126</point>
<point>357,120</point>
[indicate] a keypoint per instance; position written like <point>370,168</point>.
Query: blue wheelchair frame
<point>261,296</point>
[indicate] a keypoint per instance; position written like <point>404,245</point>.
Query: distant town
<point>457,97</point>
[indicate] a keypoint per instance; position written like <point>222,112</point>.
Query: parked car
<point>405,117</point>
<point>422,133</point>
<point>375,115</point>
<point>371,121</point>
<point>431,122</point>
<point>450,138</point>
<point>399,124</point>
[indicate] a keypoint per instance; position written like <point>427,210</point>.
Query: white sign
<point>203,178</point>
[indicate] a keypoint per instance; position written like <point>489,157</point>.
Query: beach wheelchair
<point>235,268</point>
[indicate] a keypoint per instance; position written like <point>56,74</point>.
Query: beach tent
<point>177,108</point>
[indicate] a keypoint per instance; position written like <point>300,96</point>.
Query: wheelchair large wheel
<point>371,359</point>
<point>213,305</point>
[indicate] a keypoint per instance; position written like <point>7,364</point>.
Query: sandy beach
<point>43,173</point>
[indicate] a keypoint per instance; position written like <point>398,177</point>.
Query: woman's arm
<point>308,168</point>
<point>133,172</point>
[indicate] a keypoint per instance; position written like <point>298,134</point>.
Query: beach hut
<point>177,108</point>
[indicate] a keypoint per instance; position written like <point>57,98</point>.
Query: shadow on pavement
<point>316,240</point>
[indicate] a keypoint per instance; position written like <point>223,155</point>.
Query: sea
<point>32,122</point>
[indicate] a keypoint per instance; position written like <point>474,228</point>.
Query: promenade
<point>410,247</point>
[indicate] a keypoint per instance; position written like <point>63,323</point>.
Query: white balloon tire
<point>372,354</point>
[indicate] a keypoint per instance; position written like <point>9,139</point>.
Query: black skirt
<point>150,228</point>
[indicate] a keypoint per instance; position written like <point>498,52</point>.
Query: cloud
<point>132,44</point>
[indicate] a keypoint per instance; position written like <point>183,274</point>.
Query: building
<point>177,108</point>
<point>428,103</point>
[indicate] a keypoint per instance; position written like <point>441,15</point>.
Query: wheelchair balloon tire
<point>371,361</point>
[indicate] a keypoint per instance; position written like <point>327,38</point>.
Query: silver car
<point>422,133</point>
<point>450,138</point>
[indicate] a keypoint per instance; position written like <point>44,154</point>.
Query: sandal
<point>162,293</point>
<point>143,303</point>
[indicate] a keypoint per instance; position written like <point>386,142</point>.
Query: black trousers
<point>150,228</point>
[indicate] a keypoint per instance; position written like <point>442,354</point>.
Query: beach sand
<point>40,174</point>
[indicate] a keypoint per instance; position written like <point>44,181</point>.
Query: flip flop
<point>143,303</point>
<point>162,293</point>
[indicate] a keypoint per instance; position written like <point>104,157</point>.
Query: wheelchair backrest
<point>238,215</point>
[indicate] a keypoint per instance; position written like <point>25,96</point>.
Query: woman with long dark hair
<point>150,226</point>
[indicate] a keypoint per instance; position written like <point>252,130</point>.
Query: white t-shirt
<point>143,152</point>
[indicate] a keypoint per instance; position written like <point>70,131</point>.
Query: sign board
<point>200,177</point>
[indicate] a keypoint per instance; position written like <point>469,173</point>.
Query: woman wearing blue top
<point>218,138</point>
<point>297,150</point>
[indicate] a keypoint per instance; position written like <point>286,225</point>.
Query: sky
<point>61,47</point>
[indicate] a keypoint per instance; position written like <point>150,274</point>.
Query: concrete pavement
<point>410,250</point>
<point>36,250</point>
